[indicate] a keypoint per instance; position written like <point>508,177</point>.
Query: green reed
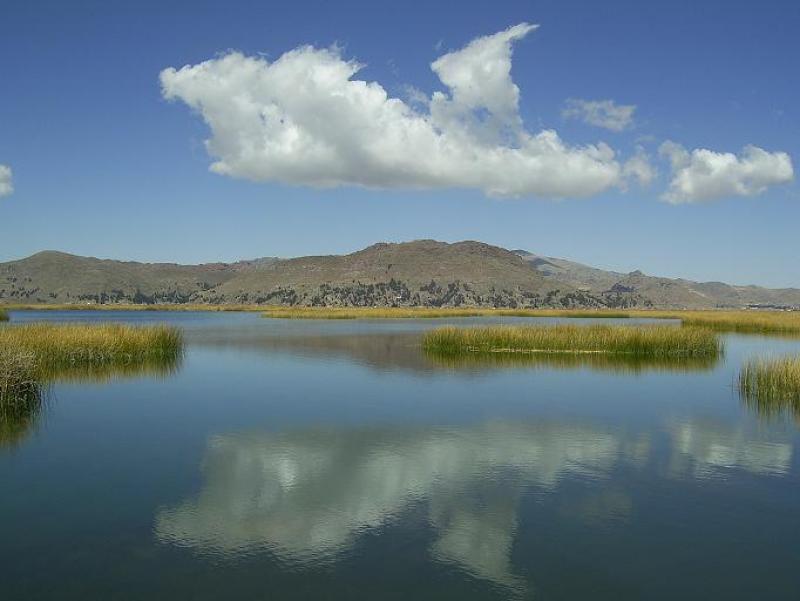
<point>653,341</point>
<point>771,386</point>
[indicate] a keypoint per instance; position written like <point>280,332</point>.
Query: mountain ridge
<point>416,273</point>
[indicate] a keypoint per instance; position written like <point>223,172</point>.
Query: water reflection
<point>707,449</point>
<point>21,413</point>
<point>153,367</point>
<point>771,405</point>
<point>306,496</point>
<point>621,364</point>
<point>402,351</point>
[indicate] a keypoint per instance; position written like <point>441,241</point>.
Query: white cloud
<point>304,120</point>
<point>6,181</point>
<point>600,113</point>
<point>702,175</point>
<point>638,168</point>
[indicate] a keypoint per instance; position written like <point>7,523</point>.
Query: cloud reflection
<point>306,496</point>
<point>704,449</point>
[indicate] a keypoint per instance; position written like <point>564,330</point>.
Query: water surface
<point>289,459</point>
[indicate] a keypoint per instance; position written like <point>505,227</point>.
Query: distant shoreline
<point>744,321</point>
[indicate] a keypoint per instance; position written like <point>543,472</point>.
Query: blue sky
<point>104,165</point>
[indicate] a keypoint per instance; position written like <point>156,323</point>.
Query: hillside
<point>424,272</point>
<point>662,292</point>
<point>419,273</point>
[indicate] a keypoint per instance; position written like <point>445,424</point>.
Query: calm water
<point>334,460</point>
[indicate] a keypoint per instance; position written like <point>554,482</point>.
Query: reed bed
<point>66,345</point>
<point>426,312</point>
<point>21,395</point>
<point>366,313</point>
<point>647,341</point>
<point>34,355</point>
<point>3,315</point>
<point>775,322</point>
<point>179,307</point>
<point>19,381</point>
<point>771,386</point>
<point>296,312</point>
<point>752,322</point>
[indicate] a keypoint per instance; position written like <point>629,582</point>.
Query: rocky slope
<point>662,292</point>
<point>420,273</point>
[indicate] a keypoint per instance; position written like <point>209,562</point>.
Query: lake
<point>290,459</point>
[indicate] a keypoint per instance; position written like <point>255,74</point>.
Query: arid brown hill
<point>419,273</point>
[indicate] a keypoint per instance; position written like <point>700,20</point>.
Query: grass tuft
<point>652,341</point>
<point>771,386</point>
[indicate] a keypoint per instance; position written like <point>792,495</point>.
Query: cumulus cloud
<point>600,113</point>
<point>702,175</point>
<point>304,119</point>
<point>6,183</point>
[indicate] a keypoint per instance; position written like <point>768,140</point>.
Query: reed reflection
<point>403,351</point>
<point>620,364</point>
<point>25,389</point>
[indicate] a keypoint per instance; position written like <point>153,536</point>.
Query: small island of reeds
<point>771,386</point>
<point>644,341</point>
<point>3,315</point>
<point>33,355</point>
<point>59,345</point>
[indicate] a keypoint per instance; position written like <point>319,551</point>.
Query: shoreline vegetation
<point>645,341</point>
<point>739,320</point>
<point>771,386</point>
<point>128,307</point>
<point>32,356</point>
<point>3,315</point>
<point>743,321</point>
<point>427,313</point>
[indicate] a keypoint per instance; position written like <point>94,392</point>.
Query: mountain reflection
<point>403,351</point>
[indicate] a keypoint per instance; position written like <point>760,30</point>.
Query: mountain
<point>423,272</point>
<point>661,292</point>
